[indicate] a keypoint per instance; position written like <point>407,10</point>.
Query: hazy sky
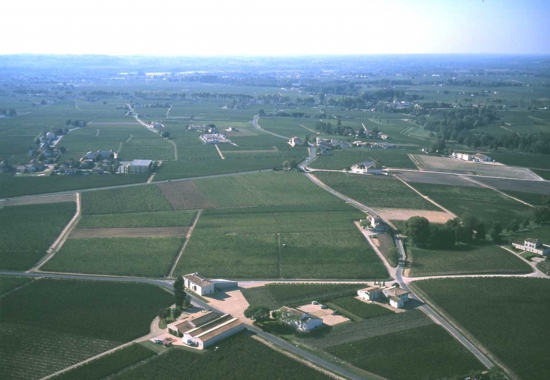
<point>274,27</point>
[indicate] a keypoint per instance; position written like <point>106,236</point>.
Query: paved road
<point>197,302</point>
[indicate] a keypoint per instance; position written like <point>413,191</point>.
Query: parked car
<point>158,341</point>
<point>324,307</point>
<point>315,303</point>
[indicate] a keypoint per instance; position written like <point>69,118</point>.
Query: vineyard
<point>109,364</point>
<point>421,353</point>
<point>129,199</point>
<point>357,308</point>
<point>368,328</point>
<point>276,295</point>
<point>8,283</point>
<point>138,220</point>
<point>510,320</point>
<point>239,357</point>
<point>19,248</point>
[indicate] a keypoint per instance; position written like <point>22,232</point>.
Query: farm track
<point>187,238</point>
<point>311,130</point>
<point>175,149</point>
<point>219,152</point>
<point>498,191</point>
<point>426,197</point>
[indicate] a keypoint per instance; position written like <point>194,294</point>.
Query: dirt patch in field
<point>436,179</point>
<point>404,214</point>
<point>100,233</point>
<point>184,195</point>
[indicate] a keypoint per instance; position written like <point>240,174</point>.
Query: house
<point>198,284</point>
<point>371,293</point>
<point>534,246</point>
<point>20,169</point>
<point>360,144</point>
<point>478,157</point>
<point>366,168</point>
<point>103,153</point>
<point>157,125</point>
<point>463,156</point>
<point>299,319</point>
<point>201,330</point>
<point>376,223</point>
<point>195,127</point>
<point>140,166</point>
<point>214,138</point>
<point>295,141</point>
<point>395,296</point>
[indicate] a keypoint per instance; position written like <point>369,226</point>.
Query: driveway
<point>232,302</point>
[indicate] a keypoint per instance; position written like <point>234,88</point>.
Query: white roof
<point>141,162</point>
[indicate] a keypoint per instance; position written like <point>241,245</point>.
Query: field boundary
<point>219,152</point>
<point>426,197</point>
<point>58,243</point>
<point>415,161</point>
<point>175,149</point>
<point>187,238</point>
<point>309,129</point>
<point>463,331</point>
<point>498,191</point>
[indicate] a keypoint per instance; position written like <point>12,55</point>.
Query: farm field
<point>503,306</point>
<point>536,161</point>
<point>138,256</point>
<point>8,283</point>
<point>486,204</point>
<point>376,191</point>
<point>70,321</point>
<point>538,232</point>
<point>345,158</point>
<point>12,186</point>
<point>138,220</point>
<point>276,295</point>
<point>453,165</point>
<point>436,179</point>
<point>183,195</point>
<point>280,245</point>
<point>531,198</point>
<point>46,221</point>
<point>129,199</point>
<point>357,310</point>
<point>109,364</point>
<point>237,357</point>
<point>473,259</point>
<point>542,173</point>
<point>422,351</point>
<point>534,187</point>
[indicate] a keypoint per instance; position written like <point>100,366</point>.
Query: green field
<point>486,204</point>
<point>11,186</point>
<point>534,232</point>
<point>357,310</point>
<point>26,232</point>
<point>145,257</point>
<point>129,199</point>
<point>345,158</point>
<point>542,173</point>
<point>533,199</point>
<point>70,321</point>
<point>138,219</point>
<point>8,283</point>
<point>536,161</point>
<point>465,259</point>
<point>109,364</point>
<point>427,352</point>
<point>276,295</point>
<point>375,191</point>
<point>280,245</point>
<point>510,317</point>
<point>238,357</point>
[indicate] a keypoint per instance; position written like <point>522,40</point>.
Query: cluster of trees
<point>470,83</point>
<point>343,87</point>
<point>75,123</point>
<point>8,112</point>
<point>327,128</point>
<point>542,214</point>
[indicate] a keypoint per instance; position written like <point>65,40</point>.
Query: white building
<point>371,293</point>
<point>201,330</point>
<point>365,168</point>
<point>534,246</point>
<point>198,284</point>
<point>295,141</point>
<point>463,156</point>
<point>478,157</point>
<point>214,138</point>
<point>396,296</point>
<point>299,319</point>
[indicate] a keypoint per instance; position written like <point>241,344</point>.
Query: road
<point>197,302</point>
<point>257,127</point>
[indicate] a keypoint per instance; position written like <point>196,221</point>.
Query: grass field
<point>26,232</point>
<point>473,259</point>
<point>427,352</point>
<point>276,295</point>
<point>533,199</point>
<point>543,174</point>
<point>11,186</point>
<point>8,283</point>
<point>535,232</point>
<point>486,204</point>
<point>238,357</point>
<point>280,245</point>
<point>138,219</point>
<point>510,318</point>
<point>345,158</point>
<point>357,310</point>
<point>522,159</point>
<point>70,321</point>
<point>130,199</point>
<point>109,364</point>
<point>146,257</point>
<point>375,191</point>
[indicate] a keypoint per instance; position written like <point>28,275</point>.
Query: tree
<point>513,226</point>
<point>481,232</point>
<point>441,237</point>
<point>261,112</point>
<point>12,112</point>
<point>181,298</point>
<point>62,149</point>
<point>164,313</point>
<point>496,231</point>
<point>541,215</point>
<point>165,134</point>
<point>257,313</point>
<point>393,255</point>
<point>418,230</point>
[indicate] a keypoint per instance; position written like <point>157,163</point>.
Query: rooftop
<point>371,289</point>
<point>197,280</point>
<point>141,162</point>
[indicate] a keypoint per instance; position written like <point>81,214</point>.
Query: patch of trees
<point>257,313</point>
<point>333,88</point>
<point>8,112</point>
<point>327,128</point>
<point>542,214</point>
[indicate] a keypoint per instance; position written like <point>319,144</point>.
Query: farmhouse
<point>299,319</point>
<point>534,246</point>
<point>157,125</point>
<point>103,153</point>
<point>198,284</point>
<point>135,167</point>
<point>366,168</point>
<point>295,141</point>
<point>478,157</point>
<point>376,223</point>
<point>214,138</point>
<point>395,296</point>
<point>201,329</point>
<point>463,156</point>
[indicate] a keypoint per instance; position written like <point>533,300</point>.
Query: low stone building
<point>396,296</point>
<point>299,319</point>
<point>198,284</point>
<point>534,246</point>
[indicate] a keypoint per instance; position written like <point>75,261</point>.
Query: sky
<point>274,27</point>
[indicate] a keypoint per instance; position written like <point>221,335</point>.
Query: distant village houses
<point>478,157</point>
<point>295,141</point>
